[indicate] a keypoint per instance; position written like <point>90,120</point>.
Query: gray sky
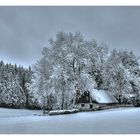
<point>25,30</point>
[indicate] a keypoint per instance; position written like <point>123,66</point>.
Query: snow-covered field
<point>119,121</point>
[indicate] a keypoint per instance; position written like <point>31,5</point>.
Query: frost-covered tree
<point>42,84</point>
<point>12,93</point>
<point>120,77</point>
<point>66,67</point>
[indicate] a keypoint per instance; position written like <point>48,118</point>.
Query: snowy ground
<point>113,121</point>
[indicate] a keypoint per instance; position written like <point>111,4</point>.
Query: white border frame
<point>69,2</point>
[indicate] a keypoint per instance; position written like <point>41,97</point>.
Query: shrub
<point>61,112</point>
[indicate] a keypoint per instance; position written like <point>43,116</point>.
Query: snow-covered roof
<point>102,96</point>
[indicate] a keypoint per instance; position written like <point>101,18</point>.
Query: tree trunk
<point>62,104</point>
<point>27,100</point>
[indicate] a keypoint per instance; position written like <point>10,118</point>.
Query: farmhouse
<point>100,97</point>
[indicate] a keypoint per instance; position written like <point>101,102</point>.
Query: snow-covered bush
<point>61,112</point>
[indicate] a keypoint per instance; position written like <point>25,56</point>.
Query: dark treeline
<point>14,82</point>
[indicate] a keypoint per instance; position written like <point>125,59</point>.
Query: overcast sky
<point>25,30</point>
